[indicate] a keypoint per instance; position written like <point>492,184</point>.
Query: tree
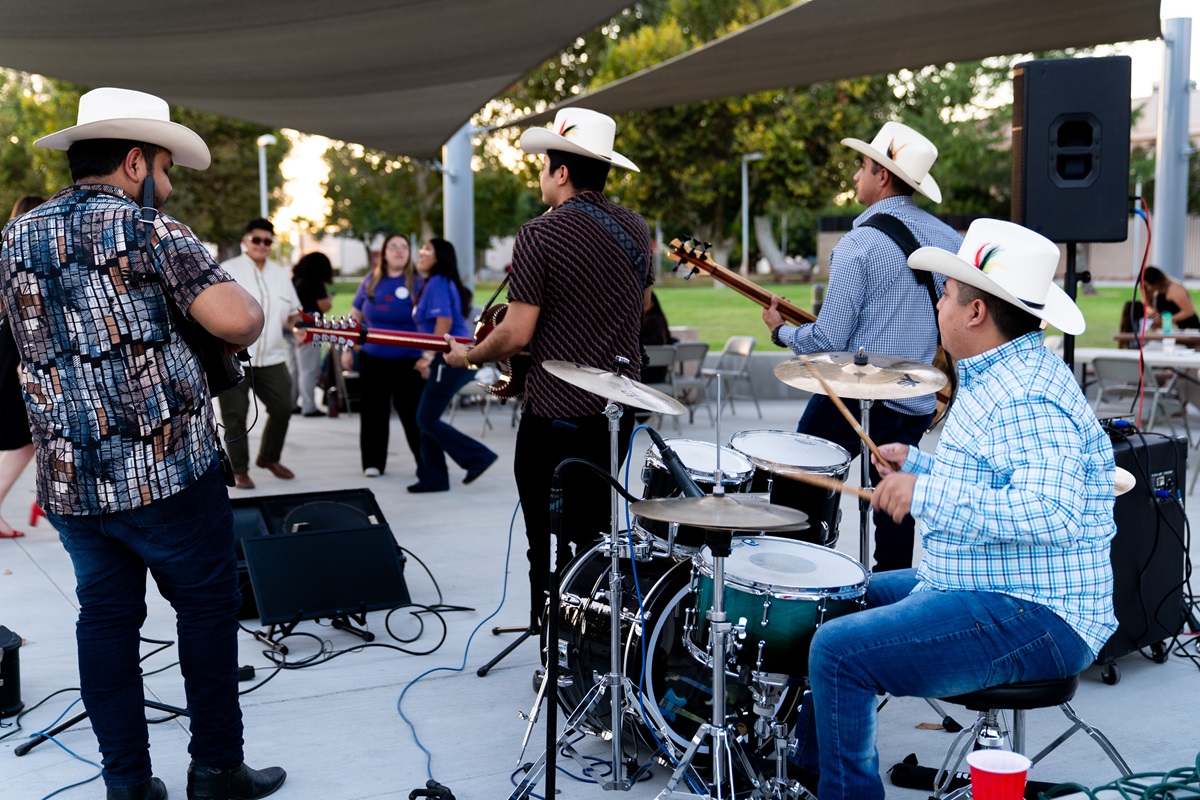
<point>373,192</point>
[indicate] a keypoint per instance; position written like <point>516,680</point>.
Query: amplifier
<point>1148,551</point>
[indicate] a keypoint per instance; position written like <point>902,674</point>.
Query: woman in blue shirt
<point>388,374</point>
<point>442,307</point>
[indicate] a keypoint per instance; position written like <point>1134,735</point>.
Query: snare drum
<point>784,589</point>
<point>769,450</point>
<point>700,461</point>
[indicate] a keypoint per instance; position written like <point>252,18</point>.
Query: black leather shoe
<point>153,789</point>
<point>418,488</point>
<point>241,783</point>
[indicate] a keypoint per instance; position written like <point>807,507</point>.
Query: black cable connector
<point>432,789</point>
<point>246,673</point>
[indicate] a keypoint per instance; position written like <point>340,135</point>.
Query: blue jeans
<point>893,541</point>
<point>440,439</point>
<point>923,644</point>
<point>186,542</point>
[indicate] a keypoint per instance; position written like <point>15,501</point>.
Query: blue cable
<point>42,733</point>
<point>466,650</point>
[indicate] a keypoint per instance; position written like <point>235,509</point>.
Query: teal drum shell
<point>784,589</point>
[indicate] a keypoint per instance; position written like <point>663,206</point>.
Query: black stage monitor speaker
<point>1070,148</point>
<point>262,516</point>
<point>10,673</point>
<point>1148,554</point>
<point>325,574</point>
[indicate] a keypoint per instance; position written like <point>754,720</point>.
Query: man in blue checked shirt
<point>875,302</point>
<point>1016,513</point>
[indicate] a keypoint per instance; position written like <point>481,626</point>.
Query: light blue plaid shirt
<point>874,300</point>
<point>1019,497</point>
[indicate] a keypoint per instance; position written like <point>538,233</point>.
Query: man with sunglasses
<point>271,285</point>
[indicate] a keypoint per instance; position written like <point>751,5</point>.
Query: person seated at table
<point>1016,518</point>
<point>1164,294</point>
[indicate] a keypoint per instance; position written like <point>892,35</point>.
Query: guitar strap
<point>621,236</point>
<point>899,233</point>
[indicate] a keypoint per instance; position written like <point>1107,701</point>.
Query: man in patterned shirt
<point>1016,512</point>
<point>875,302</point>
<point>122,420</point>
<point>580,277</point>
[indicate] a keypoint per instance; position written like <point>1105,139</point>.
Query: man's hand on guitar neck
<point>771,315</point>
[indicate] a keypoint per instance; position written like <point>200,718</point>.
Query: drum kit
<point>733,570</point>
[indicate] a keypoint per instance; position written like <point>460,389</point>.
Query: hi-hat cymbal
<point>881,378</point>
<point>723,512</point>
<point>612,386</point>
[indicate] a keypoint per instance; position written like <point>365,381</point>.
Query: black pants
<point>384,384</point>
<point>893,542</point>
<point>542,444</point>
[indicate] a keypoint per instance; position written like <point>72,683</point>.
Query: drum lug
<point>564,656</point>
<point>766,618</point>
<point>759,660</point>
<point>821,611</point>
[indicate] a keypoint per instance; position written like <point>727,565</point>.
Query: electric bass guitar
<point>344,331</point>
<point>701,261</point>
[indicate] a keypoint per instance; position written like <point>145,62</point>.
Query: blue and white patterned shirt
<point>1018,498</point>
<point>118,407</point>
<point>874,301</point>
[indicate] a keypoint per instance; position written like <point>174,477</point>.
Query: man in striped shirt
<point>875,302</point>
<point>580,278</point>
<point>1016,512</point>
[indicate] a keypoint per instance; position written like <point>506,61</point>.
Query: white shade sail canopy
<point>404,75</point>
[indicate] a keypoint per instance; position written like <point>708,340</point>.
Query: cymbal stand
<point>767,689</point>
<point>615,683</point>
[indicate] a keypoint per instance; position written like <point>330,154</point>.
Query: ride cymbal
<point>881,378</point>
<point>612,386</point>
<point>722,512</point>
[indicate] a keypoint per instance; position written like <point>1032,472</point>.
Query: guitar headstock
<point>694,252</point>
<point>310,329</point>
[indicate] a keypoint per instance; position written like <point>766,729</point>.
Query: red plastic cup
<point>998,774</point>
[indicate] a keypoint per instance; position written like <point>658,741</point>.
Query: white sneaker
<point>372,472</point>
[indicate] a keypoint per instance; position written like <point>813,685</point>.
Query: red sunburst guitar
<point>700,261</point>
<point>346,332</point>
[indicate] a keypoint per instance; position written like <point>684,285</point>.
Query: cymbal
<point>881,378</point>
<point>612,386</point>
<point>723,512</point>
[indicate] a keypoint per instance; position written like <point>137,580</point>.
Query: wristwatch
<point>467,361</point>
<point>775,336</point>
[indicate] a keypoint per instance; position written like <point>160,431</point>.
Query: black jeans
<point>387,383</point>
<point>893,542</point>
<point>542,444</point>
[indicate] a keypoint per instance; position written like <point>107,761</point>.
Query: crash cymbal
<point>881,378</point>
<point>612,386</point>
<point>724,512</point>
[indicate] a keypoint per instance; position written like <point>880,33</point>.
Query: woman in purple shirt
<point>388,374</point>
<point>442,307</point>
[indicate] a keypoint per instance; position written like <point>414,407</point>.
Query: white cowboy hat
<point>905,153</point>
<point>1011,262</point>
<point>1123,481</point>
<point>125,114</point>
<point>580,131</point>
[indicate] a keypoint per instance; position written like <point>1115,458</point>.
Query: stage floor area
<point>338,726</point>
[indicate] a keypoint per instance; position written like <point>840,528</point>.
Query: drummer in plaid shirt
<point>1016,512</point>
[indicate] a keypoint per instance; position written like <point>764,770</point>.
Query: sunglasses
<point>260,240</point>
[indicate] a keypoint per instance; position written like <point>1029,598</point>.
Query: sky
<point>304,170</point>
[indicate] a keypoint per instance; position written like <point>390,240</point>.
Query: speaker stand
<point>38,738</point>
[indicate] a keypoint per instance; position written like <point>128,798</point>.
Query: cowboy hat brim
<point>1059,310</point>
<point>927,187</point>
<point>187,148</point>
<point>538,140</point>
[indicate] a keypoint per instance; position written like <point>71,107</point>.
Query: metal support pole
<point>1174,149</point>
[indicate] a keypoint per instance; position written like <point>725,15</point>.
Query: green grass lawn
<point>718,312</point>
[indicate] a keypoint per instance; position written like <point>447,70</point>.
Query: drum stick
<point>823,481</point>
<point>837,401</point>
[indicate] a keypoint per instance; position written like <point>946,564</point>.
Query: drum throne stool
<point>988,730</point>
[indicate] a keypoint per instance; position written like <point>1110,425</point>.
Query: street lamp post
<point>746,159</point>
<point>263,141</point>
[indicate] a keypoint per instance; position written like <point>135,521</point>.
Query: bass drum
<point>675,689</point>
